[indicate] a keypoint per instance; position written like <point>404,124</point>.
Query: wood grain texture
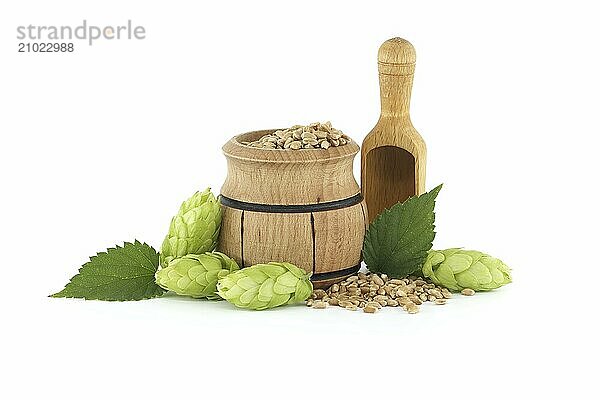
<point>393,156</point>
<point>278,237</point>
<point>321,242</point>
<point>286,177</point>
<point>230,237</point>
<point>338,236</point>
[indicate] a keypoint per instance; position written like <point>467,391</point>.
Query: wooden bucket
<point>299,206</point>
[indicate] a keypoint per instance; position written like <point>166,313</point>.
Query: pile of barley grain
<point>371,292</point>
<point>312,136</point>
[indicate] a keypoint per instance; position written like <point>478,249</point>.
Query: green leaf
<point>397,241</point>
<point>119,274</point>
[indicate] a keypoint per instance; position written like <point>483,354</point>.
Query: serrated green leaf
<point>119,274</point>
<point>397,241</point>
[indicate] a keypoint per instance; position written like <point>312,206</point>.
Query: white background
<point>101,146</point>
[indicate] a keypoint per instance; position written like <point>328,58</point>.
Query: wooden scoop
<point>393,154</point>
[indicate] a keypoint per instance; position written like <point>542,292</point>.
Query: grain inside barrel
<point>300,206</point>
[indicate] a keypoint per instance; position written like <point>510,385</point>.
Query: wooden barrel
<point>300,206</point>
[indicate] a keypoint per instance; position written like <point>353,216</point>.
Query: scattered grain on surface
<point>372,292</point>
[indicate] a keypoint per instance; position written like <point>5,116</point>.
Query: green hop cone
<point>195,228</point>
<point>196,275</point>
<point>263,286</point>
<point>459,269</point>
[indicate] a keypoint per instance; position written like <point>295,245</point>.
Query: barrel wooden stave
<point>230,237</point>
<point>338,238</point>
<point>277,237</point>
<point>326,243</point>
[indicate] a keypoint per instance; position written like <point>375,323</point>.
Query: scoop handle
<point>396,64</point>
